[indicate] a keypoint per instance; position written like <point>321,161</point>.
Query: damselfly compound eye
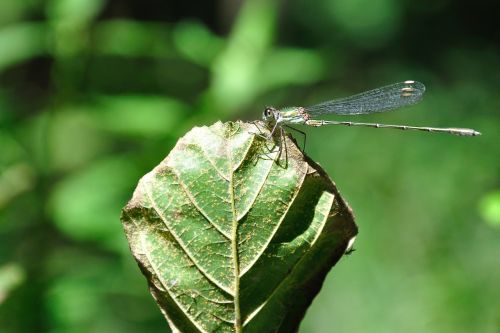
<point>268,112</point>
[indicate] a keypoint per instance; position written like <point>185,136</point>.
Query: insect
<point>382,99</point>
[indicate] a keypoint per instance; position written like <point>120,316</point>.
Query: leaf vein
<point>182,246</point>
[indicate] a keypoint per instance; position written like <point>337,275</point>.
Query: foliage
<point>234,235</point>
<point>94,93</point>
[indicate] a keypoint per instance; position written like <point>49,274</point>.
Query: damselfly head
<point>270,114</point>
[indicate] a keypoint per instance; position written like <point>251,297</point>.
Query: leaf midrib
<point>234,246</point>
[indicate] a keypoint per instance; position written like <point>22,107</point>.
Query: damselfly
<point>381,99</point>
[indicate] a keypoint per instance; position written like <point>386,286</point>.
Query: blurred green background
<point>94,93</point>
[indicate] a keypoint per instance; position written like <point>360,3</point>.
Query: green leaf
<point>85,216</point>
<point>11,276</point>
<point>234,236</point>
<point>489,207</point>
<point>21,42</point>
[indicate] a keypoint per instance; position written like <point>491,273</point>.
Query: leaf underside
<point>234,233</point>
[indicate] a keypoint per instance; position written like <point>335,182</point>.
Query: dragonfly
<point>381,99</point>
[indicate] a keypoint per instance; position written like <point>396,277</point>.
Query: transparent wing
<point>377,100</point>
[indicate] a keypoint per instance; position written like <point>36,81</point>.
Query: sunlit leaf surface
<point>235,234</point>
